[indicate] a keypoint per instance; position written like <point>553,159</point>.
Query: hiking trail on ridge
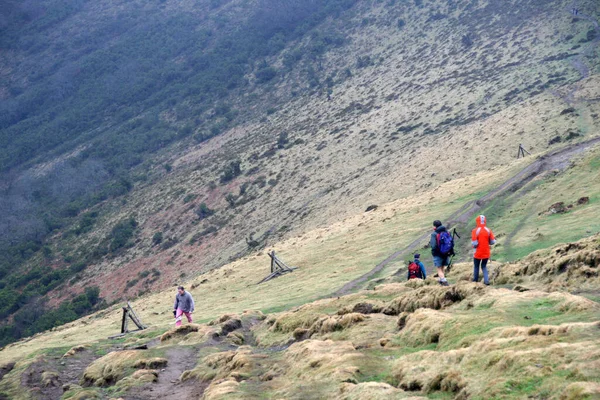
<point>558,159</point>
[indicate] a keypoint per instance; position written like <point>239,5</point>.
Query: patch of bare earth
<point>180,359</point>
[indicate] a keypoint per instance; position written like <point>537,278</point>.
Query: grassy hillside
<point>75,66</point>
<point>359,104</point>
<point>327,258</point>
<point>537,219</point>
<point>398,340</point>
<point>529,340</point>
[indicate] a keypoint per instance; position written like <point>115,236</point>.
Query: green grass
<point>468,326</point>
<point>10,385</point>
<point>459,331</point>
<point>282,307</point>
<point>544,311</point>
<point>50,352</point>
<point>591,296</point>
<point>440,395</point>
<point>397,352</point>
<point>485,306</point>
<point>91,393</point>
<point>253,390</point>
<point>524,386</point>
<point>521,220</point>
<point>101,352</point>
<point>538,311</point>
<point>152,333</point>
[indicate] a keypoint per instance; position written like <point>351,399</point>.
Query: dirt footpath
<point>556,160</point>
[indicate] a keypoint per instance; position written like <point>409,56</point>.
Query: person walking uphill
<point>184,305</point>
<point>416,269</point>
<point>482,238</point>
<point>442,247</point>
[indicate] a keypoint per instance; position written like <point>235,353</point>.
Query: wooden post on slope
<point>134,317</point>
<point>124,321</point>
<point>129,314</point>
<point>278,268</point>
<point>272,261</point>
<point>522,151</point>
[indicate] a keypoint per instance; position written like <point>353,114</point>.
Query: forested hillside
<point>145,142</point>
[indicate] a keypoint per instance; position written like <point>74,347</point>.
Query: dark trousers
<point>483,263</point>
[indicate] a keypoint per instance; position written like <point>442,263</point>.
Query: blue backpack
<point>445,244</point>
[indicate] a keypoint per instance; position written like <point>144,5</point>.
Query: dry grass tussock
<point>222,318</point>
<point>113,367</point>
<point>562,302</point>
<point>76,349</point>
<point>335,323</point>
<point>581,390</point>
<point>151,363</point>
<point>194,333</point>
<point>434,297</point>
<point>545,330</point>
<point>290,321</point>
<point>372,391</point>
<point>363,307</point>
<point>76,392</point>
<point>324,359</point>
<point>180,330</point>
<point>140,377</point>
<point>304,325</point>
<point>566,266</point>
<point>49,378</point>
<point>189,333</point>
<point>305,316</point>
<point>235,364</point>
<point>572,303</point>
<point>489,366</point>
<point>236,338</point>
<point>222,388</point>
<point>422,327</point>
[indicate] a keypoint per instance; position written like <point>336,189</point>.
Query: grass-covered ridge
<point>384,101</point>
<point>363,344</point>
<point>537,219</point>
<point>398,340</point>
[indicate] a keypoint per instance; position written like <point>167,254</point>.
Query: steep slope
<point>360,345</point>
<point>433,93</point>
<point>336,162</point>
<point>327,257</point>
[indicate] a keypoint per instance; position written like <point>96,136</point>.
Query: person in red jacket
<point>482,238</point>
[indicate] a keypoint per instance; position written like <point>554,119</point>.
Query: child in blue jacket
<point>414,272</point>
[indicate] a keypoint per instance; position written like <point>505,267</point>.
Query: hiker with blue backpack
<point>442,248</point>
<point>416,269</point>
